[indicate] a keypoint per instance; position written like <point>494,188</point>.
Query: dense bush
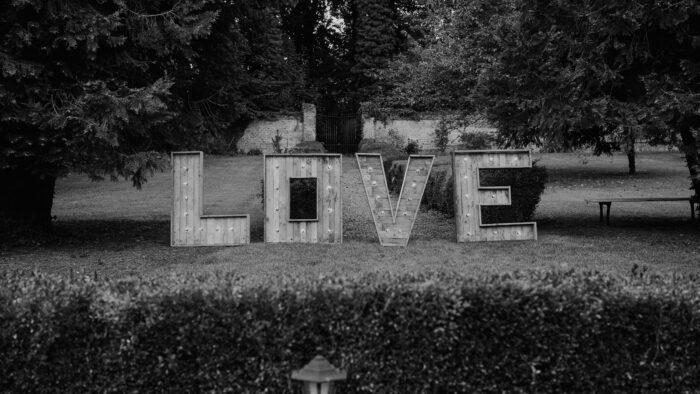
<point>475,140</point>
<point>527,185</point>
<point>439,191</point>
<point>395,175</point>
<point>540,332</point>
<point>303,196</point>
<point>412,147</point>
<point>390,153</point>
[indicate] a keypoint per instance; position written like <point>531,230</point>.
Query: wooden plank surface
<point>394,226</point>
<point>312,228</point>
<point>332,188</point>
<point>188,224</point>
<point>469,196</point>
<point>494,195</point>
<point>327,227</point>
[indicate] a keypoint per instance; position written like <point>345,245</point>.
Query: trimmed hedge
<point>527,185</point>
<point>536,332</point>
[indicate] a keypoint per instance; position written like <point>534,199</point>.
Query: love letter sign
<point>303,199</point>
<point>470,195</point>
<point>394,225</point>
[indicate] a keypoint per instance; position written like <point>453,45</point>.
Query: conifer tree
<point>378,32</point>
<point>83,87</point>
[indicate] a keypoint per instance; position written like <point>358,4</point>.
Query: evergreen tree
<point>378,32</point>
<point>345,43</point>
<point>103,87</point>
<point>317,29</point>
<point>83,85</point>
<point>245,69</point>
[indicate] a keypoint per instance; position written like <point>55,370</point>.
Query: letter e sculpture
<point>469,195</point>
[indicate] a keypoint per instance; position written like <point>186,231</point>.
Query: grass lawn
<point>114,230</point>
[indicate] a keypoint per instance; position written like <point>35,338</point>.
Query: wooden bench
<point>608,201</point>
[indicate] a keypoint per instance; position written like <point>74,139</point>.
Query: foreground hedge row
<point>544,332</point>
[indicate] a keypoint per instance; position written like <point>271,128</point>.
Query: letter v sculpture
<point>394,225</point>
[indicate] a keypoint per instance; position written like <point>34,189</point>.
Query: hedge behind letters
<point>536,332</point>
<point>527,185</point>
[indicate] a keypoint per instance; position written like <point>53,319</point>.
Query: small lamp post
<point>318,376</point>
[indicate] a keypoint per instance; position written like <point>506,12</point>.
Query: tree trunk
<point>25,202</point>
<point>631,163</point>
<point>692,158</point>
<point>631,154</point>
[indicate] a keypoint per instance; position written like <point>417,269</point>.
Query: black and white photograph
<point>349,196</point>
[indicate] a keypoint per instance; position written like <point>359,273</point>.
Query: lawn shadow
<point>112,232</point>
<point>578,226</point>
<point>597,176</point>
<point>107,234</point>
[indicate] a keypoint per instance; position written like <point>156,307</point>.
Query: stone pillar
<point>309,122</point>
<point>368,128</point>
<point>367,122</point>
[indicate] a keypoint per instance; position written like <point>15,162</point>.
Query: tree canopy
<point>83,83</point>
<point>562,73</point>
<point>105,87</point>
<point>583,73</point>
<point>441,68</point>
<point>346,43</point>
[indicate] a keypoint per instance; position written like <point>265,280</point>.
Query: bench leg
<point>692,210</point>
<point>600,205</point>
<point>607,215</point>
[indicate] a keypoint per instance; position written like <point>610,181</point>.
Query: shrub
<point>308,147</point>
<point>474,140</point>
<point>370,145</point>
<point>527,185</point>
<point>442,135</point>
<point>438,194</point>
<point>277,143</point>
<point>394,138</point>
<point>412,147</point>
<point>395,175</point>
<point>536,332</point>
<point>303,195</point>
<point>254,152</point>
<point>389,153</point>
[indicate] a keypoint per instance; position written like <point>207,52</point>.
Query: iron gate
<point>339,133</point>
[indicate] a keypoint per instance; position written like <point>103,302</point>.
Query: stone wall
<point>293,129</point>
<point>260,133</point>
<point>421,130</point>
<point>309,119</point>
